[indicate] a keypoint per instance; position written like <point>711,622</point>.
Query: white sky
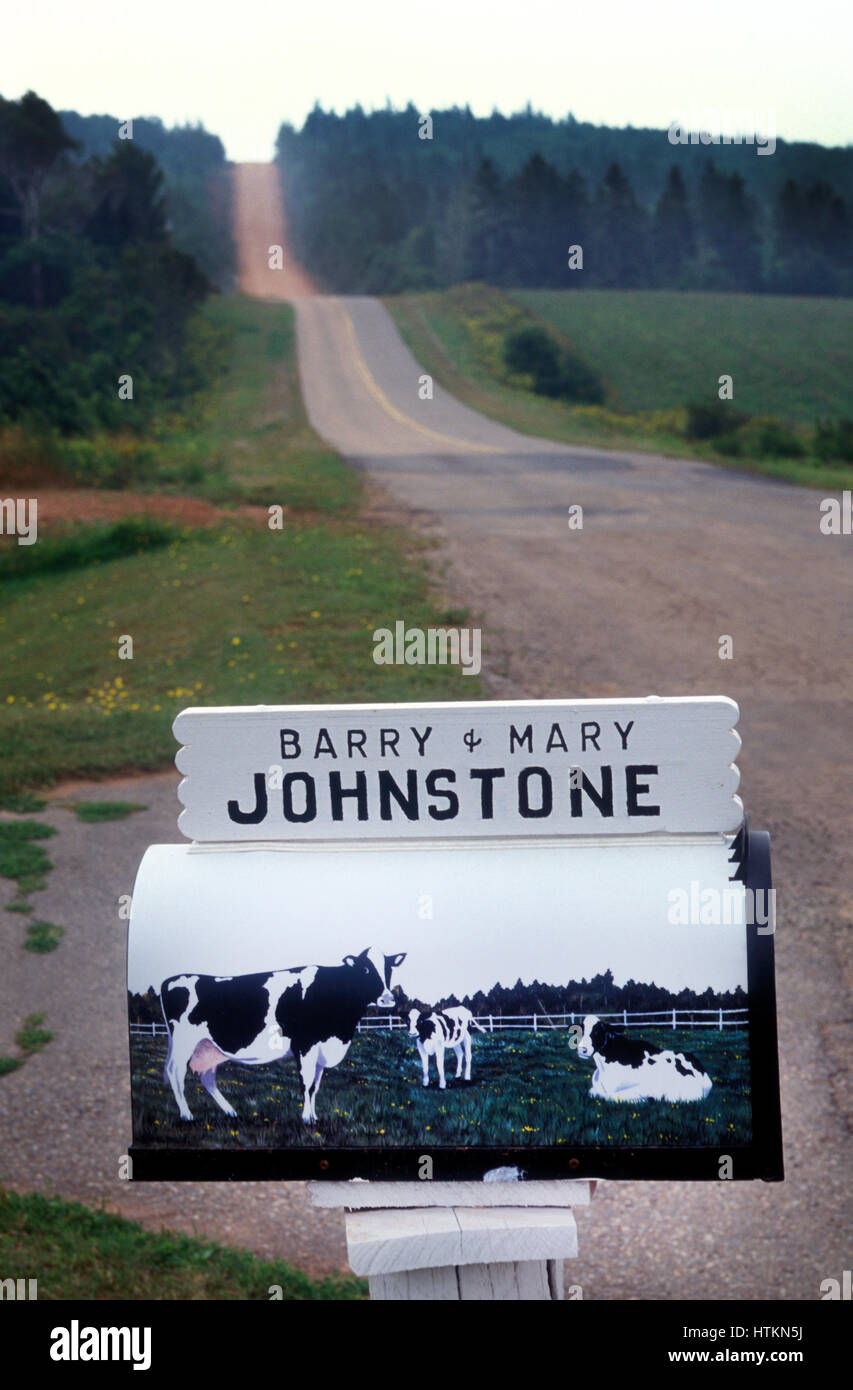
<point>242,68</point>
<point>551,913</point>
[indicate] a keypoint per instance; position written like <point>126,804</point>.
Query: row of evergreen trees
<point>598,995</point>
<point>381,215</point>
<point>196,183</point>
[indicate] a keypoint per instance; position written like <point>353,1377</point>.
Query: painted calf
<point>441,1029</point>
<point>632,1070</point>
<point>310,1013</point>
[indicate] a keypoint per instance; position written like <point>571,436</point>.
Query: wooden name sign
<point>544,768</point>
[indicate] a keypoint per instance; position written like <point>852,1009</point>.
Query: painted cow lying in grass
<point>632,1070</point>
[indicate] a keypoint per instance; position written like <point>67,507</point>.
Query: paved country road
<point>673,555</point>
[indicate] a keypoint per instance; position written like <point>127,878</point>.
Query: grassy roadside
<point>76,1253</point>
<point>653,349</point>
<point>232,612</point>
<point>251,441</point>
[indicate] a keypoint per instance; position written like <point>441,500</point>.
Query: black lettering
<point>555,734</point>
<point>389,738</point>
<point>407,801</point>
<point>310,811</point>
<point>623,733</point>
<point>289,743</point>
<point>452,809</point>
<point>593,738</point>
<point>602,799</point>
<point>422,738</point>
<point>486,776</point>
<point>255,816</point>
<point>338,792</point>
<point>546,798</point>
<point>356,738</point>
<point>635,788</point>
<point>324,744</point>
<point>521,739</point>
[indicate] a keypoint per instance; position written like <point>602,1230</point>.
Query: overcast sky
<point>242,68</point>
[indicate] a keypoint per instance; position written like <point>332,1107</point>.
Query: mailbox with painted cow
<point>571,1003</point>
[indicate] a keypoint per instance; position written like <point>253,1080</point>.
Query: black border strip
<point>761,989</point>
<point>267,1165</point>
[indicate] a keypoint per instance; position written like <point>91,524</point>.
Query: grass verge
<point>226,614</point>
<point>76,1253</point>
<point>655,354</point>
<point>22,860</point>
<point>43,937</point>
<point>30,1038</point>
<point>94,812</point>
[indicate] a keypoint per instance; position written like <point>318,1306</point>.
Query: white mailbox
<point>536,934</point>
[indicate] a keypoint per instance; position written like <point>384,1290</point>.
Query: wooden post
<point>460,1241</point>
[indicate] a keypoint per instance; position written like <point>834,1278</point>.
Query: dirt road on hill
<point>259,223</point>
<point>673,555</point>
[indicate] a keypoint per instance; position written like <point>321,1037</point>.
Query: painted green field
<point>526,1089</point>
<point>657,349</point>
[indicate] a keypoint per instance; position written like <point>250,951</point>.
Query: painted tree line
<point>376,209</point>
<point>596,995</point>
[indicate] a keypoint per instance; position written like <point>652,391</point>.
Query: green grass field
<point>526,1090</point>
<point>227,613</point>
<point>75,1253</point>
<point>657,351</point>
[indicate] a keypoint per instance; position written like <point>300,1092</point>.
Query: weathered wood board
<point>524,1281</point>
<point>386,1242</point>
<point>448,771</point>
<point>365,1195</point>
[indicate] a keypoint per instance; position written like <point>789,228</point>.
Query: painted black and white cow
<point>629,1069</point>
<point>440,1029</point>
<point>309,1013</point>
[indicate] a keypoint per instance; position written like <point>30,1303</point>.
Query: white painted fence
<point>542,1023</point>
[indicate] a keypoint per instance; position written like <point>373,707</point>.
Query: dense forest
<point>376,208</point>
<point>196,183</point>
<point>93,287</point>
<point>598,995</point>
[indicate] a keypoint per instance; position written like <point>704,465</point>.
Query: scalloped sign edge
<point>446,771</point>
